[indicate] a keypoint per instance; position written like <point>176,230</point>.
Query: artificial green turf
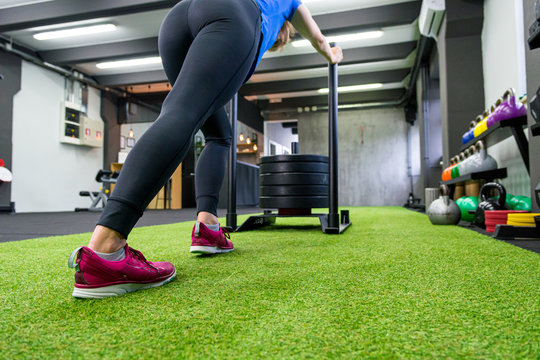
<point>392,286</point>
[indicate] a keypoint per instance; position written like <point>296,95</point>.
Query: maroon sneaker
<point>206,241</point>
<point>97,278</point>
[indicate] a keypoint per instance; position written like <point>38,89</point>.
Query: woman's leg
<point>210,168</point>
<point>216,63</point>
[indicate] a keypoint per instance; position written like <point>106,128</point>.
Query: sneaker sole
<point>208,250</point>
<point>116,290</point>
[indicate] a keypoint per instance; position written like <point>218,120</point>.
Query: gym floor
<point>391,286</point>
<point>35,225</point>
<point>24,226</point>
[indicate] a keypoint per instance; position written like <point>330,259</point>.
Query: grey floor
<point>24,226</point>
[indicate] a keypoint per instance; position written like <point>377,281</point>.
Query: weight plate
<point>293,158</point>
<point>294,179</point>
<point>288,167</point>
<point>293,202</point>
<point>294,190</point>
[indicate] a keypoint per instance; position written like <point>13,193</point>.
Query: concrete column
<point>10,71</point>
<point>461,71</point>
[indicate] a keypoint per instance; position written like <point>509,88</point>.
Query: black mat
<point>33,225</point>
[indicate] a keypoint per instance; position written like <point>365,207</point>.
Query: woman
<point>209,48</point>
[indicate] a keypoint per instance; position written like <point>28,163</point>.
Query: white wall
<point>372,167</point>
<point>48,175</point>
<point>503,48</point>
<point>275,132</point>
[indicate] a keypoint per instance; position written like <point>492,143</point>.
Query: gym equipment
<point>447,173</point>
<point>509,232</point>
<point>469,135</point>
<point>444,211</point>
<point>481,124</point>
<point>498,217</point>
<point>522,203</point>
<point>459,191</point>
<point>106,177</point>
<point>481,161</point>
<point>294,184</point>
<point>5,175</point>
<point>487,204</point>
<point>465,164</point>
<point>467,204</point>
<point>455,173</point>
<point>509,107</point>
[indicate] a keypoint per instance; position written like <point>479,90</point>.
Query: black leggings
<point>208,48</point>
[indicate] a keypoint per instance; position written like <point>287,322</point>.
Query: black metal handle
<point>500,189</point>
<point>333,216</point>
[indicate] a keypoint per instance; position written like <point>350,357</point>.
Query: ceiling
<point>284,83</point>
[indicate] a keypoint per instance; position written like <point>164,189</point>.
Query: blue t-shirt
<point>274,13</point>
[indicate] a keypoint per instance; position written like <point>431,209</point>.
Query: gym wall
<point>276,132</point>
<point>372,173</point>
<point>48,175</point>
<point>503,56</point>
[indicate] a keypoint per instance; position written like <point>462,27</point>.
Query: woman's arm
<point>307,27</point>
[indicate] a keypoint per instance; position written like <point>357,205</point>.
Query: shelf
<point>535,129</point>
<point>483,175</point>
<point>245,144</point>
<point>515,122</point>
<point>246,152</point>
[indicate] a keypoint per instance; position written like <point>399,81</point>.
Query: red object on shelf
<point>2,163</point>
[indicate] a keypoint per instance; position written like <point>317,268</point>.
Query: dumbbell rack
<point>333,222</point>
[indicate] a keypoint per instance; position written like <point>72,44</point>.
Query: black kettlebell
<point>486,204</point>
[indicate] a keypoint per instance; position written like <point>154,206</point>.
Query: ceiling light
<point>129,63</point>
<point>79,31</point>
<point>354,88</point>
<point>344,38</point>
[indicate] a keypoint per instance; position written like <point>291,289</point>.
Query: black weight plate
<point>293,158</point>
<point>287,167</point>
<point>293,179</point>
<point>294,190</point>
<point>293,202</point>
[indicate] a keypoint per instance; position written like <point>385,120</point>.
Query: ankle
<point>105,240</point>
<point>207,218</point>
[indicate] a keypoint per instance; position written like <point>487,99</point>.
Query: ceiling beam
<point>84,54</point>
<point>350,56</point>
<point>322,82</point>
<point>290,104</point>
<point>144,77</point>
<point>63,11</point>
<point>370,18</point>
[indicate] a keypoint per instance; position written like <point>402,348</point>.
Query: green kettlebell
<point>523,203</point>
<point>511,201</point>
<point>465,204</point>
<point>455,172</point>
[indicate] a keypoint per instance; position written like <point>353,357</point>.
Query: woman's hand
<point>337,55</point>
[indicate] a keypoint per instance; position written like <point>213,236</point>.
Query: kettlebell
<point>482,161</point>
<point>482,124</point>
<point>444,211</point>
<point>486,204</point>
<point>465,204</point>
<point>522,203</point>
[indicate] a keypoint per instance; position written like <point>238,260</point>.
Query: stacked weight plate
<point>293,182</point>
